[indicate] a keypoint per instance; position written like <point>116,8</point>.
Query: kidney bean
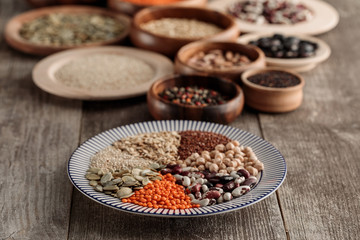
<point>236,185</point>
<point>199,175</point>
<point>226,178</point>
<point>185,173</point>
<point>166,171</point>
<point>219,185</point>
<point>209,184</point>
<point>214,180</point>
<point>239,180</point>
<point>198,195</point>
<point>200,180</point>
<point>192,197</point>
<point>212,194</point>
<point>186,181</point>
<point>171,166</point>
<point>212,202</point>
<point>244,173</point>
<point>204,202</point>
<point>178,177</point>
<point>179,182</point>
<point>211,175</point>
<point>229,186</point>
<point>196,188</point>
<point>204,188</point>
<point>220,199</point>
<point>227,196</point>
<point>177,169</point>
<point>216,189</point>
<point>251,181</point>
<point>237,192</point>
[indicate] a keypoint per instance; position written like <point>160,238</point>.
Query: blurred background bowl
<point>168,45</point>
<point>223,113</point>
<point>130,8</point>
<point>182,65</point>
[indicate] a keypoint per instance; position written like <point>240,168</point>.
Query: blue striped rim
<point>270,179</point>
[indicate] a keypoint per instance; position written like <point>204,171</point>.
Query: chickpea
<point>188,161</point>
<point>237,150</point>
<point>230,169</point>
<point>231,156</point>
<point>200,161</point>
<point>253,171</point>
<point>222,166</point>
<point>195,169</point>
<point>201,168</point>
<point>259,166</point>
<point>179,162</point>
<point>237,162</point>
<point>217,161</point>
<point>172,162</point>
<point>213,153</point>
<point>248,149</point>
<point>238,168</point>
<point>205,153</point>
<point>249,164</point>
<point>219,155</point>
<point>206,157</point>
<point>223,171</point>
<point>220,147</point>
<point>214,168</point>
<point>183,165</point>
<point>196,155</point>
<point>230,146</point>
<point>236,143</point>
<point>227,162</point>
<point>193,164</point>
<point>207,165</point>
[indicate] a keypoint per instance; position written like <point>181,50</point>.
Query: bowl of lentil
<point>195,97</point>
<point>274,90</point>
<point>130,7</point>
<point>52,29</point>
<point>221,59</point>
<point>167,29</point>
<point>299,53</point>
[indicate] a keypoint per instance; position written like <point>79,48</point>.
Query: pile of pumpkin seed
<point>59,29</point>
<point>122,183</point>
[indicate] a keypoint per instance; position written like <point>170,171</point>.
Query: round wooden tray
<point>14,39</point>
<point>325,18</point>
<point>296,64</point>
<point>44,73</point>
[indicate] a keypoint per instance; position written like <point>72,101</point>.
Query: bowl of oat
<point>52,29</point>
<point>221,59</point>
<point>166,29</point>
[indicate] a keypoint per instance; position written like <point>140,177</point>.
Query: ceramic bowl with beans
<point>166,29</point>
<point>222,59</point>
<point>298,53</point>
<point>197,107</point>
<point>273,90</point>
<point>130,7</point>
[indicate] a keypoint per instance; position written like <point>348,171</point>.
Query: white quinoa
<point>181,28</point>
<point>104,72</point>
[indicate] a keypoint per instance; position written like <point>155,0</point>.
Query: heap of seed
<point>181,28</point>
<point>59,29</point>
<point>104,72</point>
<point>198,141</point>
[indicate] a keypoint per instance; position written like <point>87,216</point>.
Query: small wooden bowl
<point>132,8</point>
<point>169,46</point>
<point>270,99</point>
<point>224,113</point>
<point>13,27</point>
<point>186,52</point>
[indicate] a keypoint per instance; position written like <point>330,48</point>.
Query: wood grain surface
<point>319,199</point>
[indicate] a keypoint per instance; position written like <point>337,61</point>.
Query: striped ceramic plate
<point>270,179</point>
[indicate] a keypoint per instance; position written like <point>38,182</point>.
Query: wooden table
<point>320,141</point>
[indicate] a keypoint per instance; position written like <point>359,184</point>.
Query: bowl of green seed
<point>52,29</point>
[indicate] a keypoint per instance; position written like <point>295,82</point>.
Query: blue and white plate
<point>270,179</point>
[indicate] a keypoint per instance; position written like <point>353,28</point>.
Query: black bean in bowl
<point>280,46</point>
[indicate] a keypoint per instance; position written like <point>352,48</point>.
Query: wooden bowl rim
<point>252,72</point>
<point>261,56</point>
<point>13,26</point>
<point>149,10</point>
<point>239,91</point>
<point>178,3</point>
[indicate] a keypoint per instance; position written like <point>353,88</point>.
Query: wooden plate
<point>325,18</point>
<point>14,39</point>
<point>296,64</point>
<point>44,73</point>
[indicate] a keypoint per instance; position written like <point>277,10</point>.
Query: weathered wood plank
<point>320,197</point>
<point>37,134</point>
<point>90,220</point>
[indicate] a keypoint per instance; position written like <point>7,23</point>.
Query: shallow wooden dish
<point>253,53</point>
<point>270,99</point>
<point>132,8</point>
<point>325,19</point>
<point>44,73</point>
<point>14,39</point>
<point>224,113</point>
<point>169,46</point>
<point>294,64</point>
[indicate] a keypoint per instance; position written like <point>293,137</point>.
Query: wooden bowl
<point>13,27</point>
<point>169,46</point>
<point>271,99</point>
<point>132,8</point>
<point>186,52</point>
<point>293,64</point>
<point>224,113</point>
